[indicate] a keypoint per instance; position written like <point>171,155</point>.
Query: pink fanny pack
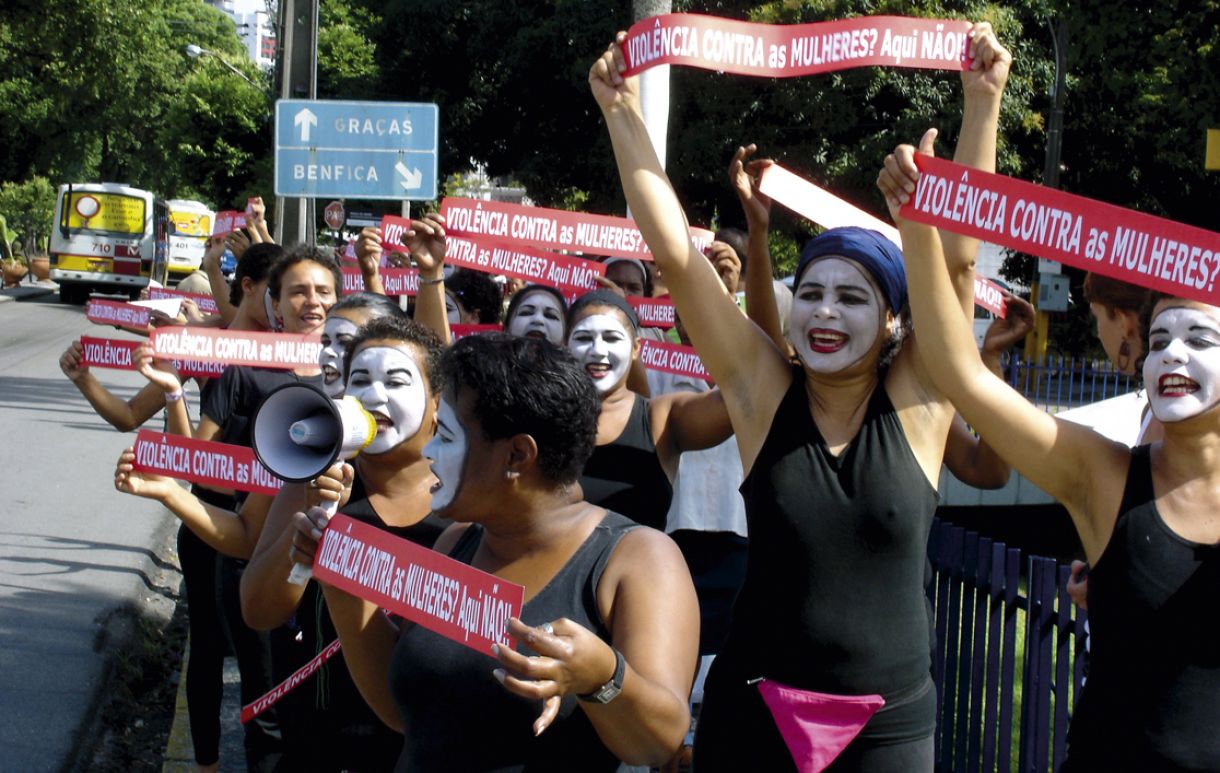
<point>816,726</point>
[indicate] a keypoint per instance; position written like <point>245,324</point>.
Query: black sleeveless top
<point>833,599</point>
<point>627,477</point>
<point>326,723</point>
<point>1152,700</point>
<point>459,718</point>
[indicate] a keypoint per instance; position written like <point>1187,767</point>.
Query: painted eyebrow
<point>838,288</point>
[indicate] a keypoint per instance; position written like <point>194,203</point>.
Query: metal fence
<point>1007,661</point>
<point>1059,383</point>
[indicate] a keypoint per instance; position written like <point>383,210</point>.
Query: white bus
<point>109,238</point>
<point>190,224</point>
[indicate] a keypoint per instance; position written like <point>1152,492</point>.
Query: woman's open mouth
<point>597,370</point>
<point>330,374</point>
<point>1176,386</point>
<point>384,423</point>
<point>825,341</point>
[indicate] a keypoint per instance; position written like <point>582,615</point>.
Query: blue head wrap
<point>879,256</point>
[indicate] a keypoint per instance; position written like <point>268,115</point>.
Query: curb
<point>179,751</point>
<point>27,291</point>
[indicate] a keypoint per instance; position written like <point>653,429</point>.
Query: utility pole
<point>1049,271</point>
<point>654,84</point>
<point>298,66</point>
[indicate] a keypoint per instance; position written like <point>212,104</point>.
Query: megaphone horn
<point>299,432</point>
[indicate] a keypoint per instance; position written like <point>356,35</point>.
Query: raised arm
<point>1078,467</point>
<point>164,376</point>
<point>760,293</point>
<point>688,421</point>
<point>123,415</point>
<point>368,256</point>
<point>741,358</point>
<point>426,241</point>
<point>213,252</point>
<point>982,89</point>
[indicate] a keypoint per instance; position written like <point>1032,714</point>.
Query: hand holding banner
<point>449,597</point>
<point>228,221</point>
<point>285,351</point>
<point>203,461</point>
<point>117,313</point>
<point>554,229</point>
<point>119,355</point>
<point>1130,246</point>
<point>786,51</point>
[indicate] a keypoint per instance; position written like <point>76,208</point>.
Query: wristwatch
<point>610,690</point>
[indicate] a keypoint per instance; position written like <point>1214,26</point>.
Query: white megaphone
<point>299,432</point>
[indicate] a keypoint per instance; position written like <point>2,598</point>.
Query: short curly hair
<point>533,387</point>
<point>400,328</point>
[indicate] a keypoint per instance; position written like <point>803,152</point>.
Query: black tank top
<point>834,594</point>
<point>1152,700</point>
<point>626,476</point>
<point>326,723</point>
<point>458,717</point>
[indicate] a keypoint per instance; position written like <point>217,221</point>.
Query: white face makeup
<point>836,315</point>
<point>452,310</point>
<point>603,347</point>
<point>337,335</point>
<point>387,382</point>
<point>539,315</point>
<point>447,450</point>
<point>1182,370</point>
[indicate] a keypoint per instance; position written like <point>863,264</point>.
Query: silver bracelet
<point>438,280</point>
<point>173,397</point>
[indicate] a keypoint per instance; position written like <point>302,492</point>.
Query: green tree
<point>29,208</point>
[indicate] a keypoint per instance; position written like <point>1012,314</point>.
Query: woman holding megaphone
<point>392,370</point>
<point>609,612</point>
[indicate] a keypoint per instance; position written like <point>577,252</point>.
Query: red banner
<point>397,281</point>
<point>990,296</point>
<point>672,358</point>
<point>461,331</point>
<point>117,313</point>
<point>284,351</point>
<point>790,50</point>
<point>828,210</point>
<point>554,229</point>
<point>544,268</point>
<point>203,461</point>
<point>1130,246</point>
<point>228,221</point>
<point>206,303</point>
<point>117,355</point>
<point>653,312</point>
<point>453,599</point>
<point>252,710</point>
<point>393,230</point>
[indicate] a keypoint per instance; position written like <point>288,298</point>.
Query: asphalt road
<point>75,555</point>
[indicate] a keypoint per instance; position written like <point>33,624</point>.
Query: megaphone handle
<point>301,573</point>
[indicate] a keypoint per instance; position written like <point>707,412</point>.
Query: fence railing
<point>1059,383</point>
<point>1007,660</point>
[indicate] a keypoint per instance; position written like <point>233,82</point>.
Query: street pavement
<point>79,562</point>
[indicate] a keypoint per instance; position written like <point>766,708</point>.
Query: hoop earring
<point>1123,363</point>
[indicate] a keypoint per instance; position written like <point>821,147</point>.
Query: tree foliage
<point>29,209</point>
<point>103,90</point>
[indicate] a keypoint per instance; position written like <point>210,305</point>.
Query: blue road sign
<point>363,150</point>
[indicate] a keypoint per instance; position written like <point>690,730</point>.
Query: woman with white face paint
<point>1147,518</point>
<point>638,440</point>
<point>538,311</point>
<point>841,452</point>
<point>392,367</point>
<point>609,621</point>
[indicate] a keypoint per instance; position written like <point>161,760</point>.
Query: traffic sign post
<point>356,150</point>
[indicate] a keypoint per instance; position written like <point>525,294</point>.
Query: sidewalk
<point>180,754</point>
<point>28,290</point>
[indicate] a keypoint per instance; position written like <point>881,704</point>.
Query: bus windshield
<point>197,224</point>
<point>109,213</point>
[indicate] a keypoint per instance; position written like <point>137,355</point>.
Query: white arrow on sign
<point>305,119</point>
<point>412,178</point>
